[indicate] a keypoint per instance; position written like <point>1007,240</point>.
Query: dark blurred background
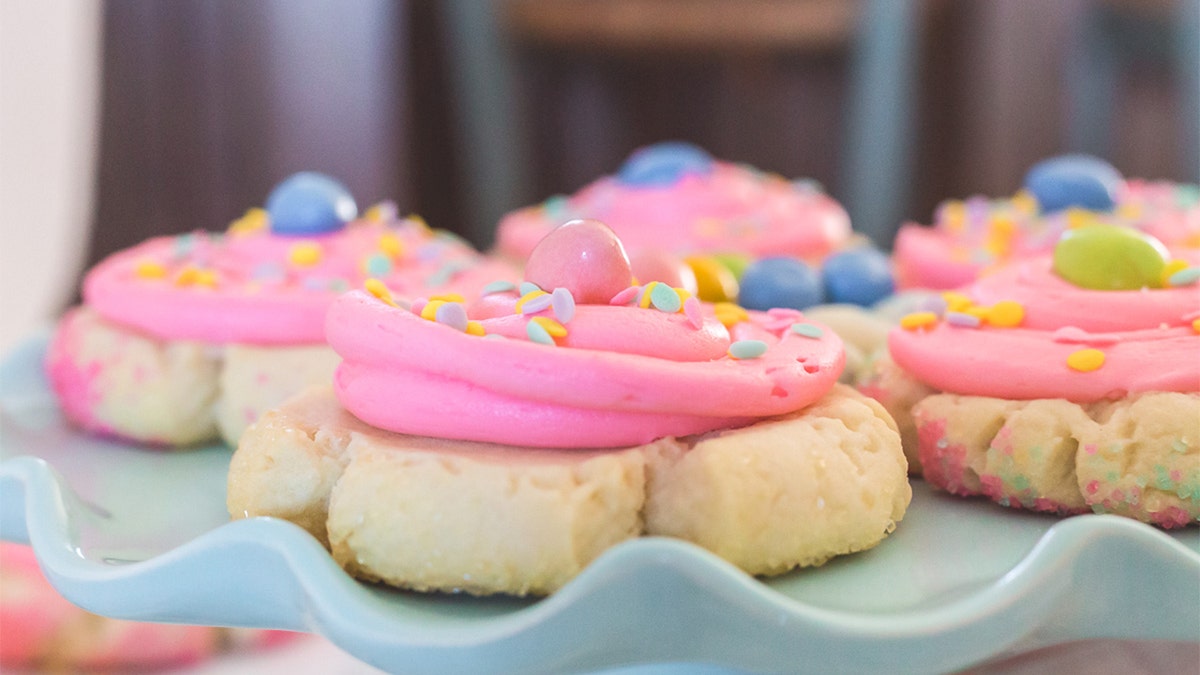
<point>463,109</point>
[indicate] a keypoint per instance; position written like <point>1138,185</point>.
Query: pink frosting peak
<point>1069,342</point>
<point>258,287</point>
<point>728,208</point>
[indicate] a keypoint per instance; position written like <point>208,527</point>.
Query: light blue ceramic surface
<point>141,534</point>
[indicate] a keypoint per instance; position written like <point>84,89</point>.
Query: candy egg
<point>664,164</point>
<point>861,276</point>
<point>583,256</point>
<point>1110,258</point>
<point>652,265</point>
<point>714,281</point>
<point>780,282</point>
<point>1074,180</point>
<point>735,262</point>
<point>308,203</point>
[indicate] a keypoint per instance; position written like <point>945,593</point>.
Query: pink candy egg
<point>651,265</point>
<point>584,257</point>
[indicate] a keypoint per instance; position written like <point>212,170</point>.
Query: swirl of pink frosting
<point>257,287</point>
<point>621,375</point>
<point>730,208</point>
<point>1149,340</point>
<point>970,237</point>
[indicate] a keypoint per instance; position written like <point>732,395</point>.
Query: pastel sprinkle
<point>536,332</point>
<point>183,245</point>
<point>956,302</point>
<point>448,297</point>
<point>536,303</point>
<point>269,271</point>
<point>339,285</point>
<point>498,286</point>
<point>418,305</point>
<point>429,311</point>
<point>918,320</point>
<point>377,265</point>
<point>418,222</point>
<point>553,328</point>
<point>807,330</point>
<point>475,328</point>
<point>526,297</point>
<point>452,314</point>
<point>1085,360</point>
<point>1196,325</point>
<point>528,287</point>
<point>446,273</point>
<point>729,314</point>
<point>695,316</point>
<point>625,297</point>
<point>1005,314</point>
<point>747,349</point>
<point>564,304</point>
<point>390,245</point>
<point>646,295</point>
<point>1171,268</point>
<point>665,299</point>
<point>253,220</point>
<point>1185,277</point>
<point>193,276</point>
<point>383,212</point>
<point>148,269</point>
<point>378,289</point>
<point>963,320</point>
<point>305,254</point>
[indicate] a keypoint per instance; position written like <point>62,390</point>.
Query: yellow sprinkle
<point>956,302</point>
<point>419,222</point>
<point>148,269</point>
<point>729,314</point>
<point>1196,325</point>
<point>955,213</point>
<point>206,278</point>
<point>391,245</point>
<point>1129,211</point>
<point>374,214</point>
<point>526,298</point>
<point>976,311</point>
<point>253,220</point>
<point>918,320</point>
<point>429,311</point>
<point>684,294</point>
<point>1025,202</point>
<point>554,328</point>
<point>1077,218</point>
<point>305,254</point>
<point>192,276</point>
<point>1005,314</point>
<point>1085,360</point>
<point>448,297</point>
<point>645,301</point>
<point>1171,267</point>
<point>475,328</point>
<point>1000,234</point>
<point>378,289</point>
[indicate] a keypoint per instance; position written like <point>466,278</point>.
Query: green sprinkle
<point>1187,276</point>
<point>528,287</point>
<point>1179,445</point>
<point>379,265</point>
<point>747,349</point>
<point>499,286</point>
<point>808,330</point>
<point>666,299</point>
<point>538,334</point>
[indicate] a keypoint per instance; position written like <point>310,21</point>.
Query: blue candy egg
<point>861,276</point>
<point>309,203</point>
<point>663,164</point>
<point>780,282</point>
<point>1074,180</point>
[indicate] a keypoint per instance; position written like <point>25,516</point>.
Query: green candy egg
<point>1110,258</point>
<point>734,262</point>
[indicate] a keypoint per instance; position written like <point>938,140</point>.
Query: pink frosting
<point>1147,337</point>
<point>260,296</point>
<point>732,208</point>
<point>971,237</point>
<point>622,375</point>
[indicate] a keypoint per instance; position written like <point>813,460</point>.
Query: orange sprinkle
<point>918,320</point>
<point>1085,360</point>
<point>1196,325</point>
<point>378,289</point>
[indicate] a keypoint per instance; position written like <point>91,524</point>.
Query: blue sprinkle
<point>528,287</point>
<point>184,244</point>
<point>500,286</point>
<point>664,164</point>
<point>538,334</point>
<point>556,207</point>
<point>269,271</point>
<point>536,304</point>
<point>1187,276</point>
<point>379,265</point>
<point>564,305</point>
<point>446,273</point>
<point>747,349</point>
<point>452,314</point>
<point>808,330</point>
<point>962,319</point>
<point>665,299</point>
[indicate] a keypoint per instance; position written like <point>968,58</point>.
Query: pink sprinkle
<point>691,309</point>
<point>1090,448</point>
<point>1176,475</point>
<point>418,305</point>
<point>625,296</point>
<point>1093,487</point>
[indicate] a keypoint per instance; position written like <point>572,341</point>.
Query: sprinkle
<point>417,306</point>
<point>448,297</point>
<point>564,304</point>
<point>729,314</point>
<point>553,328</point>
<point>1005,314</point>
<point>1185,277</point>
<point>378,289</point>
<point>918,320</point>
<point>747,349</point>
<point>193,276</point>
<point>148,269</point>
<point>339,285</point>
<point>452,314</point>
<point>1196,325</point>
<point>1179,445</point>
<point>390,245</point>
<point>1085,360</point>
<point>695,316</point>
<point>956,302</point>
<point>647,291</point>
<point>538,333</point>
<point>446,273</point>
<point>429,311</point>
<point>253,220</point>
<point>314,283</point>
<point>625,297</point>
<point>377,265</point>
<point>526,297</point>
<point>665,299</point>
<point>499,286</point>
<point>807,330</point>
<point>555,206</point>
<point>475,328</point>
<point>532,304</point>
<point>305,254</point>
<point>383,212</point>
<point>963,320</point>
<point>184,244</point>
<point>1170,268</point>
<point>418,222</point>
<point>528,287</point>
<point>1076,335</point>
